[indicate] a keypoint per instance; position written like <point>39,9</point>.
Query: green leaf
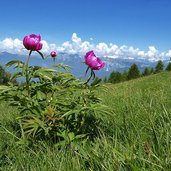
<point>44,73</point>
<point>41,95</point>
<point>71,136</point>
<point>16,75</point>
<point>4,88</point>
<point>17,63</point>
<point>63,66</point>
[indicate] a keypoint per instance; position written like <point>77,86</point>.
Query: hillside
<point>139,101</point>
<point>136,134</point>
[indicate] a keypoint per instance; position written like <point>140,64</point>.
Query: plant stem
<point>86,73</point>
<point>27,73</point>
<point>54,60</point>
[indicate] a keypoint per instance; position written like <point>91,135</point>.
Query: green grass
<point>136,137</point>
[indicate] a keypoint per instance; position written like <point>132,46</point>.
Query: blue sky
<point>137,23</point>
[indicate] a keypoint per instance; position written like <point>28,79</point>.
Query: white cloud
<point>168,54</point>
<point>77,46</point>
<point>141,53</point>
<point>47,48</point>
<point>152,52</point>
<point>10,45</point>
<point>75,38</point>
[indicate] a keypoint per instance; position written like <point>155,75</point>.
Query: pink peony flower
<point>92,61</point>
<point>32,42</point>
<point>53,54</point>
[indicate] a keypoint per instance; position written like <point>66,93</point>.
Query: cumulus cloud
<point>10,45</point>
<point>77,46</point>
<point>168,54</point>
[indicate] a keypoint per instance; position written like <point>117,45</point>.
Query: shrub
<point>53,105</point>
<point>5,76</point>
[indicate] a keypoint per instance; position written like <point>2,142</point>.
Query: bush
<point>53,105</point>
<point>5,76</point>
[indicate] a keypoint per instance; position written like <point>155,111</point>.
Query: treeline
<point>5,77</point>
<point>134,72</point>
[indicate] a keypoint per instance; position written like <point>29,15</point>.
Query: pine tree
<point>133,72</point>
<point>146,72</point>
<point>124,76</point>
<point>168,68</point>
<point>159,67</point>
<point>152,70</point>
<point>115,77</point>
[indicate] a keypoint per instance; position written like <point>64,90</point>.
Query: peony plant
<point>53,105</point>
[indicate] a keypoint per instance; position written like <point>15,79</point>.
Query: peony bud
<point>53,54</point>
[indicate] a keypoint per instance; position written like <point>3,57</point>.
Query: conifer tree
<point>133,72</point>
<point>159,66</point>
<point>168,68</point>
<point>152,70</point>
<point>115,77</point>
<point>146,72</point>
<point>124,76</point>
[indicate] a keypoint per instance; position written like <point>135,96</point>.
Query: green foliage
<point>115,77</point>
<point>2,72</point>
<point>5,76</point>
<point>168,68</point>
<point>96,81</point>
<point>152,70</point>
<point>124,76</point>
<point>52,103</point>
<point>159,66</point>
<point>133,72</point>
<point>146,72</point>
<point>137,135</point>
<point>105,80</point>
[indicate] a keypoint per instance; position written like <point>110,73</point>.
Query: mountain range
<point>76,62</point>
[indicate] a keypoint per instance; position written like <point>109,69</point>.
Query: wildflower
<point>92,61</point>
<point>32,42</point>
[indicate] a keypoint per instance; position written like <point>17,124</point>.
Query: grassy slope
<point>137,135</point>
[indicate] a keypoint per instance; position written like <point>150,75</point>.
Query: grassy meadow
<point>136,135</point>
